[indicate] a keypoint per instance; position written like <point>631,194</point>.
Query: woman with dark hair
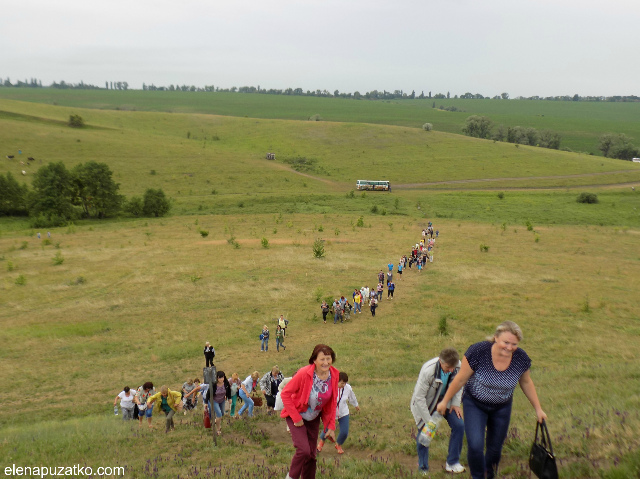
<point>311,395</point>
<point>143,393</point>
<point>221,392</point>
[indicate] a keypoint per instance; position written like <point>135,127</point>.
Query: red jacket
<point>295,396</point>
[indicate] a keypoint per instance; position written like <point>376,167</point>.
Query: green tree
<point>549,139</point>
<point>618,146</point>
<point>135,206</point>
<point>478,126</point>
<point>95,191</point>
<point>76,121</point>
<point>52,192</point>
<point>13,196</point>
<point>155,203</point>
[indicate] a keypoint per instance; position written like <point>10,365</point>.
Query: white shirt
<point>345,395</point>
<point>126,401</point>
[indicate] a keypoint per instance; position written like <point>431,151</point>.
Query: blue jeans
<point>248,403</point>
<point>343,424</point>
<point>336,317</point>
<point>279,342</point>
<point>455,442</point>
<point>477,417</point>
<point>218,407</point>
<point>357,305</point>
<point>265,345</point>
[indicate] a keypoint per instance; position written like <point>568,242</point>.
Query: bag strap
<point>546,441</point>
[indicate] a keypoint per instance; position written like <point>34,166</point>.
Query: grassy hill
<point>579,123</point>
<point>135,299</point>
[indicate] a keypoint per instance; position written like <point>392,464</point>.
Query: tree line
<point>371,95</point>
<point>482,127</point>
<point>611,145</point>
<point>59,195</point>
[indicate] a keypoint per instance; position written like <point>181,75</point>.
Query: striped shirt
<point>487,384</point>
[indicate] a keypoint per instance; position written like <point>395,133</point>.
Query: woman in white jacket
<point>433,382</point>
<point>345,396</point>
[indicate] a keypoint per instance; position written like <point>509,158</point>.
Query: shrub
<point>501,195</point>
<point>58,259</point>
<point>21,280</point>
<point>204,233</point>
<point>360,222</point>
<point>24,245</point>
<point>351,194</point>
<point>374,209</point>
<point>10,266</point>
<point>484,248</point>
<point>590,198</point>
<point>318,248</point>
<point>443,327</point>
<point>315,117</point>
<point>264,242</point>
<point>76,121</point>
<point>427,127</point>
<point>320,229</point>
<point>155,203</point>
<point>529,225</point>
<point>153,172</point>
<point>134,206</point>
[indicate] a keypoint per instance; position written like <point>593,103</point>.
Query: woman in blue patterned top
<point>490,372</point>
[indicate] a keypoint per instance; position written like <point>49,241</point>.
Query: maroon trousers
<point>305,440</point>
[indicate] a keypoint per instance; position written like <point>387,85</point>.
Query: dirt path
<point>407,186</point>
<point>481,180</point>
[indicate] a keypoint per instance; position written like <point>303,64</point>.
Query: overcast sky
<point>523,47</point>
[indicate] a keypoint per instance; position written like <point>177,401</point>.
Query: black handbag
<point>542,462</point>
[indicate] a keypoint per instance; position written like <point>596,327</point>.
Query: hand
<point>330,434</point>
<point>442,408</point>
<point>358,408</point>
<point>541,415</point>
<point>457,410</point>
<point>299,423</point>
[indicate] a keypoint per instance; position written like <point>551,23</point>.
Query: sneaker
<point>339,449</point>
<point>320,445</point>
<point>456,468</point>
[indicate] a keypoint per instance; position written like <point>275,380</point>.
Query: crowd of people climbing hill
<point>318,393</point>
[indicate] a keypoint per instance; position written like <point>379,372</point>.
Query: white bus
<point>373,185</point>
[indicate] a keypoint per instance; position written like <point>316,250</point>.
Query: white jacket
<point>345,396</point>
<point>427,391</point>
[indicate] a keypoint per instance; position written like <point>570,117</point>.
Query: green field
<point>579,123</point>
<point>135,299</point>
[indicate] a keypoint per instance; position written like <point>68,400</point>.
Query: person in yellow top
<point>170,402</point>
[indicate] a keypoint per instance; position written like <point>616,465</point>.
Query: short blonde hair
<point>507,327</point>
<point>234,376</point>
<point>255,375</point>
<point>275,369</point>
<point>164,389</point>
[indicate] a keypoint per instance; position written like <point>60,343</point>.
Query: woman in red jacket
<point>311,395</point>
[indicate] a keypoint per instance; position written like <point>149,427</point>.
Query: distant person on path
<point>170,403</point>
<point>364,291</point>
<point>490,371</point>
<point>380,290</point>
<point>246,388</point>
<point>127,403</point>
<point>269,385</point>
<point>345,396</point>
<point>283,323</point>
<point>218,397</point>
<point>357,302</point>
<point>311,395</point>
<point>143,394</point>
<point>433,382</point>
<point>209,354</point>
<point>390,266</point>
<point>280,338</point>
<point>380,277</point>
<point>373,305</point>
<point>325,310</point>
<point>391,286</point>
<point>400,268</point>
<point>264,338</point>
<point>389,277</point>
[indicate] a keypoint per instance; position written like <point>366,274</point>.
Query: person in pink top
<point>310,396</point>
